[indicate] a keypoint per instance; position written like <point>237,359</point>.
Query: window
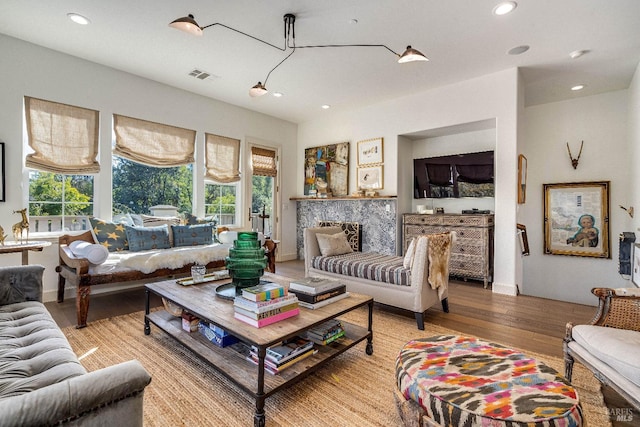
<point>59,202</point>
<point>220,201</point>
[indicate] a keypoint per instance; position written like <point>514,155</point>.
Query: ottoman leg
<point>410,412</point>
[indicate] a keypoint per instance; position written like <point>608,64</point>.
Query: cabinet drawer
<point>470,250</point>
<point>412,231</point>
<point>473,220</point>
<point>466,233</point>
<point>462,265</point>
<point>423,219</point>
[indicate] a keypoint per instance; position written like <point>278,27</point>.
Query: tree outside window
<point>220,201</point>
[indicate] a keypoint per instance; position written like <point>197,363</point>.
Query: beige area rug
<point>352,390</point>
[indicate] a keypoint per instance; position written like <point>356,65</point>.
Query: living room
<point>607,123</point>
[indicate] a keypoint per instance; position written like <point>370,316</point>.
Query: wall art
<point>522,178</point>
<point>370,178</point>
<point>576,219</point>
<point>370,152</point>
<point>327,168</point>
<point>2,186</point>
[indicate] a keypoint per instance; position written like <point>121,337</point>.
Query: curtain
<point>264,162</point>
<point>153,144</point>
<point>222,158</point>
<point>64,138</point>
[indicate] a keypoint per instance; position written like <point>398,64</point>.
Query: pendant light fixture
<point>189,25</point>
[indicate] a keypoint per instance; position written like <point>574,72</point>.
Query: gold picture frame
<point>522,179</point>
<point>576,219</point>
<point>370,178</point>
<point>370,152</point>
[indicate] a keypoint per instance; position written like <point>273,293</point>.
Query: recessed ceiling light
<point>78,19</point>
<point>326,106</point>
<point>578,87</point>
<point>277,94</point>
<point>578,53</point>
<point>518,50</point>
<point>504,8</point>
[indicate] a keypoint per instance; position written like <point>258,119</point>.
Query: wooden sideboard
<point>472,254</point>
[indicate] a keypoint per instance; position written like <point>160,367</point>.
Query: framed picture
<point>524,240</point>
<point>522,178</point>
<point>2,184</point>
<point>576,219</point>
<point>326,169</point>
<point>370,178</point>
<point>370,152</point>
<point>635,264</point>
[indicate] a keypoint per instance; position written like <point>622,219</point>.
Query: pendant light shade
<point>187,24</point>
<point>257,90</point>
<point>411,55</point>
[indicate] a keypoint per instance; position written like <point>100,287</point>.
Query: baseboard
<point>280,257</point>
<point>505,288</point>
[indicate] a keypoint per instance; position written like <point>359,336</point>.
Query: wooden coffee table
<point>201,301</point>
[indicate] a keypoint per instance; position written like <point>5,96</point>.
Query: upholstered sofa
<point>41,380</point>
<point>397,281</point>
<point>610,344</point>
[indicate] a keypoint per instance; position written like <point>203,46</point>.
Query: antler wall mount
<point>574,162</point>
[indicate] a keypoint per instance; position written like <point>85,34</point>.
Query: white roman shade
<point>263,162</point>
<point>153,144</point>
<point>64,138</point>
<point>222,158</point>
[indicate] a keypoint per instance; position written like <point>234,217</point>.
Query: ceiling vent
<point>202,75</point>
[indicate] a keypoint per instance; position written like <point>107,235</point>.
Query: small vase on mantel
<point>246,263</point>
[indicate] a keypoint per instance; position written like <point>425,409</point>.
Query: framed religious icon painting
<point>370,152</point>
<point>576,219</point>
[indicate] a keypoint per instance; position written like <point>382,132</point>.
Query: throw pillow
<point>408,257</point>
<point>192,235</point>
<point>110,235</point>
<point>333,244</point>
<point>146,238</point>
<point>193,220</point>
<point>94,252</point>
<point>154,221</point>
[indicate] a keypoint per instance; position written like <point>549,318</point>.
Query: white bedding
<point>149,261</point>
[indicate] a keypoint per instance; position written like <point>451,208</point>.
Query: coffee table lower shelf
<point>246,375</point>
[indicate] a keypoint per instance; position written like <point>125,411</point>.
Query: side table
<point>36,245</point>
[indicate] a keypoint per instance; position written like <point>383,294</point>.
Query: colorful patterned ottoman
<point>463,381</point>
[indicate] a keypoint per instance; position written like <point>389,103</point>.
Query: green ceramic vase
<point>246,261</point>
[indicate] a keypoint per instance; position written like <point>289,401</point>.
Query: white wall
<point>493,96</point>
<point>601,121</point>
<point>634,151</point>
<point>34,71</point>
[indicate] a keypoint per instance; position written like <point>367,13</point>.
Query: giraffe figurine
<point>19,227</point>
<point>2,236</point>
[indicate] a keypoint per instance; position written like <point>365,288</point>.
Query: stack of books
<point>314,292</point>
<point>326,332</point>
<point>283,355</point>
<point>265,304</point>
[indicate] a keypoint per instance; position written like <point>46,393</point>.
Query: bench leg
<point>61,284</point>
<point>82,305</point>
<point>445,305</point>
<point>420,320</point>
<point>568,366</point>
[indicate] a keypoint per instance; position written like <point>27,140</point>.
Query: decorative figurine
<point>19,227</point>
<point>2,236</point>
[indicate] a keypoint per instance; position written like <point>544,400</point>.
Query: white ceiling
<point>462,39</point>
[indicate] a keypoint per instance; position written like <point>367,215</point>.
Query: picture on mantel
<point>326,172</point>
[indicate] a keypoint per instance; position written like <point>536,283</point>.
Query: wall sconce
<point>189,25</point>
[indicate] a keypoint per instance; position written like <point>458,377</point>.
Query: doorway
<point>263,215</point>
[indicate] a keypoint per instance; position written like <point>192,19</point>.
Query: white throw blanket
<point>149,261</point>
<point>95,253</point>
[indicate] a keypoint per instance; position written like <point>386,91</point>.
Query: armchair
<point>610,343</point>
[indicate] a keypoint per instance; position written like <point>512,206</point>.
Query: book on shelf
<point>323,303</point>
<point>275,369</point>
<point>327,340</point>
<point>314,285</point>
<point>288,349</point>
<point>269,320</point>
<point>268,313</point>
<point>312,299</point>
<point>262,306</point>
<point>264,292</point>
<point>325,329</point>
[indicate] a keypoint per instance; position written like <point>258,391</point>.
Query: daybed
<point>404,282</point>
<point>41,380</point>
<point>609,345</point>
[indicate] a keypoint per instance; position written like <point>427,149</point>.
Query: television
<point>458,175</point>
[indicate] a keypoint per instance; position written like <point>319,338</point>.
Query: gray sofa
<point>41,380</point>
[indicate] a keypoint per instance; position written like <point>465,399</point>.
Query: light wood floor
<point>525,322</point>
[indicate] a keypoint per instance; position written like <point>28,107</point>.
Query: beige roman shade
<point>223,158</point>
<point>64,138</point>
<point>153,144</point>
<point>263,162</point>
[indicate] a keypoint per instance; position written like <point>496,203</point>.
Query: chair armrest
<point>617,308</point>
<point>20,284</point>
<point>76,396</point>
<point>67,258</point>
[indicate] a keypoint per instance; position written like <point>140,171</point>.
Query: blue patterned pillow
<point>110,235</point>
<point>145,238</point>
<point>192,235</point>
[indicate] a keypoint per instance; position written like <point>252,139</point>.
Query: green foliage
<point>139,186</point>
<point>262,194</point>
<point>47,191</point>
